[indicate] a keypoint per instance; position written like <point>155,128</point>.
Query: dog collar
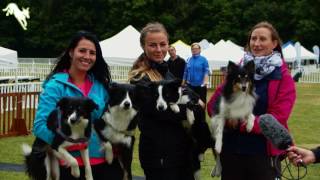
<point>69,139</point>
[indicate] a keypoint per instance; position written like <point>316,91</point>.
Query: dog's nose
<point>160,108</point>
<point>126,105</point>
<point>73,121</point>
<point>244,88</point>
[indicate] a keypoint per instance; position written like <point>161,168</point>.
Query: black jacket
<point>163,140</point>
<point>176,67</point>
<point>317,154</point>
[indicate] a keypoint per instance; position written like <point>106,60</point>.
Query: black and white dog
<point>118,124</point>
<point>236,103</point>
<point>169,94</point>
<point>71,124</point>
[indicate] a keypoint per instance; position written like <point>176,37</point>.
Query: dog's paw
<point>89,177</point>
<point>75,171</point>
<point>201,157</point>
<point>216,171</point>
<point>197,174</point>
<point>108,152</point>
<point>175,108</point>
<point>127,141</point>
<point>218,146</point>
<point>250,122</point>
<point>190,116</point>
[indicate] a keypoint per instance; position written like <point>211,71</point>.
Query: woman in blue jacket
<point>196,72</point>
<point>80,71</point>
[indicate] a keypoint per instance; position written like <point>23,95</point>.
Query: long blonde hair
<point>141,66</point>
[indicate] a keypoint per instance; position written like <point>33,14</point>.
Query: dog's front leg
<point>216,171</point>
<point>217,123</point>
<point>108,152</point>
<point>86,161</point>
<point>190,116</point>
<point>250,122</point>
<point>75,171</point>
<point>175,108</point>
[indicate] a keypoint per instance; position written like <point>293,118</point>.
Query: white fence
<point>40,70</point>
<point>309,74</point>
<point>19,88</point>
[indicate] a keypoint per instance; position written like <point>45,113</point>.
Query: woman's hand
<point>298,155</point>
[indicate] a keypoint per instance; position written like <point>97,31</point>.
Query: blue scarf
<point>264,65</point>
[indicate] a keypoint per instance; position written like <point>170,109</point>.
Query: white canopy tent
<point>221,53</point>
<point>290,53</point>
<point>123,48</point>
<point>182,49</point>
<point>8,58</point>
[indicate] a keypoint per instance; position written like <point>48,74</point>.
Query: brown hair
<point>141,66</point>
<point>195,44</point>
<point>274,35</point>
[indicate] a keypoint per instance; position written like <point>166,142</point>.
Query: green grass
<point>304,124</point>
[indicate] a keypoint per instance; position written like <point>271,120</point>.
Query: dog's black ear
<point>177,82</point>
<point>250,67</point>
<point>62,102</point>
<point>231,67</point>
<point>112,85</point>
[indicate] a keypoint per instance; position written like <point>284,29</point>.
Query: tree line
<point>52,22</point>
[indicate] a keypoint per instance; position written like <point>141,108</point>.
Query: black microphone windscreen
<point>275,132</point>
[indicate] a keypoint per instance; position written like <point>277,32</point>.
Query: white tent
<point>182,49</point>
<point>221,53</point>
<point>289,53</point>
<point>204,44</point>
<point>8,58</point>
<point>123,48</point>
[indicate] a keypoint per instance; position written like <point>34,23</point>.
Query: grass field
<point>304,124</point>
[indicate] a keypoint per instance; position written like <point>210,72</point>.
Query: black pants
<point>247,167</point>
<point>100,172</point>
<point>178,173</point>
<point>201,91</point>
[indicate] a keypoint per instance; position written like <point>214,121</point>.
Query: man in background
<point>176,63</point>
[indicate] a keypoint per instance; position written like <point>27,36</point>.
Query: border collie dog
<point>169,94</point>
<point>236,103</point>
<point>117,125</point>
<point>71,124</point>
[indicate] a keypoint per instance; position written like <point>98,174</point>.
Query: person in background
<point>250,156</point>
<point>176,64</point>
<point>164,148</point>
<point>297,155</point>
<point>80,71</point>
<point>196,73</point>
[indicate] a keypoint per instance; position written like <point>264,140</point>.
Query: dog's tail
<point>34,163</point>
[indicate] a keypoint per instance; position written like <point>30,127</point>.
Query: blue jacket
<point>58,87</point>
<point>195,70</point>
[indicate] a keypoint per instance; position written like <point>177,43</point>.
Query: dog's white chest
<point>119,118</point>
<point>78,130</point>
<point>241,106</point>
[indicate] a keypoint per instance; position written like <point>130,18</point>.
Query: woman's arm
<point>214,101</point>
<point>282,102</point>
<point>47,103</point>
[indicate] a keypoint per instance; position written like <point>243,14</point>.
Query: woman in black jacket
<point>163,147</point>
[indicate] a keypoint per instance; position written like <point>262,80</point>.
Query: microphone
<point>275,132</point>
<point>280,138</point>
